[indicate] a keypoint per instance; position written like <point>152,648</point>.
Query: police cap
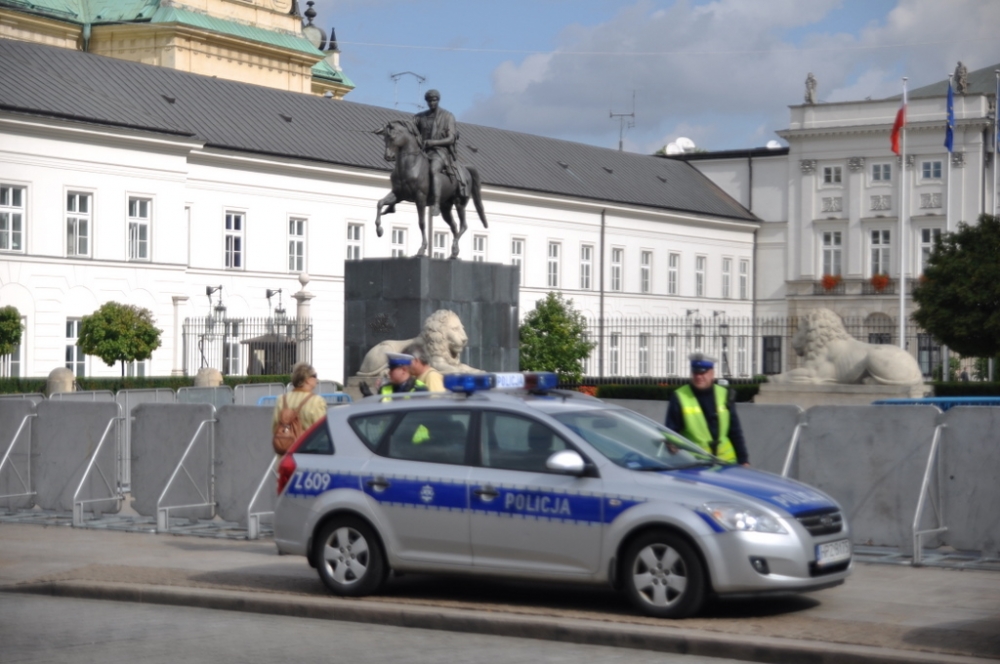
<point>399,360</point>
<point>700,363</point>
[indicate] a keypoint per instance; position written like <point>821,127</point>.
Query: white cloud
<point>728,67</point>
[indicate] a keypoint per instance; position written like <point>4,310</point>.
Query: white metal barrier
<point>253,518</point>
<point>926,496</point>
<point>111,485</point>
<point>33,397</point>
<point>247,395</point>
<point>163,511</point>
<point>127,400</point>
<point>793,446</point>
<point>8,462</point>
<point>90,395</point>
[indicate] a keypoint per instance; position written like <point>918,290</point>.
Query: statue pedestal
<point>834,394</point>
<point>390,298</point>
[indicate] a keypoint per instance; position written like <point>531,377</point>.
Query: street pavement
<point>884,613</point>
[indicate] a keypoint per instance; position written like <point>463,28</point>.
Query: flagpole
<point>902,230</point>
<point>950,120</point>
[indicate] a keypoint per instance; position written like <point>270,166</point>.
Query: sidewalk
<point>884,613</point>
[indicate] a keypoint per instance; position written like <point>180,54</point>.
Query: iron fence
<point>655,349</point>
<point>246,346</point>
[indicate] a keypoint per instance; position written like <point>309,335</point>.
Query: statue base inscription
<point>391,298</point>
<point>835,394</point>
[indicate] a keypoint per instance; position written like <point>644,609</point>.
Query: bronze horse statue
<point>411,182</point>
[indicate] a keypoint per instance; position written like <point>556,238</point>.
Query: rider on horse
<point>440,136</point>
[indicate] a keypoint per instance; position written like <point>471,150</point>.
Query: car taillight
<point>285,471</point>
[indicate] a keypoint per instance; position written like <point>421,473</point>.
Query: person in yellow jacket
<point>421,369</point>
<point>701,412</point>
<point>400,381</point>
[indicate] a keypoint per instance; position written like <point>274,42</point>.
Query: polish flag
<point>897,126</point>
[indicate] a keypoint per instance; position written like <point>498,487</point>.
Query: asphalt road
<point>51,629</point>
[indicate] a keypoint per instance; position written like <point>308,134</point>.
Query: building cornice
<point>977,124</point>
<point>60,128</point>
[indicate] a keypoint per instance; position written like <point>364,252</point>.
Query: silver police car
<point>536,483</point>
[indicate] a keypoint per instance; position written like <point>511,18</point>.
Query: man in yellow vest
<point>701,412</point>
<point>399,376</point>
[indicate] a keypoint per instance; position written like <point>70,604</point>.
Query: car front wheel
<point>663,576</point>
<point>348,557</point>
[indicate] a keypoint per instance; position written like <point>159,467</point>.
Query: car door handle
<point>487,492</point>
<point>379,484</point>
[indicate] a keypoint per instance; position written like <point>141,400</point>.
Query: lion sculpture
<point>443,337</point>
<point>834,356</point>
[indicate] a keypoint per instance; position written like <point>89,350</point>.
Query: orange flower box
<point>880,282</point>
<point>831,281</point>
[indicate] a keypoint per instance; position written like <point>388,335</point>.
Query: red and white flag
<point>897,126</point>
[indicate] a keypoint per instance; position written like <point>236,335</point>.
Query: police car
<point>507,477</point>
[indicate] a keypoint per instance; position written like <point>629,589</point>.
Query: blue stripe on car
<point>789,495</point>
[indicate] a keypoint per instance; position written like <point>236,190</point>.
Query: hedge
<point>967,389</point>
<point>86,384</point>
<point>744,392</point>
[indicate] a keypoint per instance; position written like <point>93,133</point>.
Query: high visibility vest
<point>421,434</point>
<point>696,426</point>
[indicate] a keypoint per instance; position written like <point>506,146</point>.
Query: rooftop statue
<point>834,356</point>
<point>961,79</point>
<point>810,89</point>
<point>427,172</point>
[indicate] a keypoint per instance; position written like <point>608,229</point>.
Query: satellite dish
<point>685,144</point>
<point>773,145</point>
<point>673,148</point>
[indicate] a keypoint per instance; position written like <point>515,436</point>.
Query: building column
<point>303,350</point>
<point>178,368</point>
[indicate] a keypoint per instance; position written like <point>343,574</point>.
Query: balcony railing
<point>820,289</point>
<point>868,288</point>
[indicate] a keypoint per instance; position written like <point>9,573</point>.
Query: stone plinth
<point>390,298</point>
<point>835,394</point>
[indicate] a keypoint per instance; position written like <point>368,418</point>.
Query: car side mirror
<point>567,462</point>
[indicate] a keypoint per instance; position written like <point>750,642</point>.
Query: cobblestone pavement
<point>884,612</point>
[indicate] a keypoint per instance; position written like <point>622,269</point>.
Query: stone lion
<point>834,356</point>
<point>443,338</point>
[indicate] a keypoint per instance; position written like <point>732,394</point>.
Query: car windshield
<point>635,442</point>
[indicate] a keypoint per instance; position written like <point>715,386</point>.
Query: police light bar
<point>540,381</point>
<point>468,383</point>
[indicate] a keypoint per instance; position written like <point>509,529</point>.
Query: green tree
<point>10,329</point>
<point>959,294</point>
<point>554,338</point>
<point>119,333</point>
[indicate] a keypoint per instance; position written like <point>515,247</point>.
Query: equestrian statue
<point>427,173</point>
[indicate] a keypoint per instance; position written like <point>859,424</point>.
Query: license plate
<point>833,552</point>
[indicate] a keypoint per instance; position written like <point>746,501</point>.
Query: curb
<point>668,640</point>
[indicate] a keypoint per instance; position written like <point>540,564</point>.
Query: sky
<point>720,72</point>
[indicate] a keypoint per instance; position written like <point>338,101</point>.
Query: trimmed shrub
<point>967,389</point>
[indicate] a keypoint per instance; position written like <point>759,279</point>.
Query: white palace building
<point>146,184</point>
<point>153,149</point>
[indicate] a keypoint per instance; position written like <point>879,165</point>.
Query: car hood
<point>793,497</point>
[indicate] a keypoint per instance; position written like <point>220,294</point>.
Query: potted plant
<point>879,282</point>
<point>831,281</point>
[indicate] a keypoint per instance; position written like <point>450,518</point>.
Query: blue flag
<point>949,134</point>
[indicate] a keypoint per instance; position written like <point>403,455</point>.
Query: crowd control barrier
<point>247,395</point>
<point>771,433</point>
<point>16,416</point>
<point>331,399</point>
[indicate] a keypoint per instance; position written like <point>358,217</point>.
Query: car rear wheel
<point>348,557</point>
<point>663,576</point>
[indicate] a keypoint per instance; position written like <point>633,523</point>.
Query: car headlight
<point>741,517</point>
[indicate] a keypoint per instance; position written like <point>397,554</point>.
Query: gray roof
<point>981,82</point>
<point>63,83</point>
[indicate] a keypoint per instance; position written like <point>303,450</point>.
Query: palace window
<point>138,228</point>
<point>881,172</point>
<point>744,279</point>
<point>617,257</point>
<point>234,240</point>
<point>586,266</point>
<point>881,252</point>
<point>439,247</point>
<point>727,277</point>
<point>296,245</point>
<point>11,218</point>
<point>553,268</point>
<point>517,255</point>
<point>645,268</point>
<point>643,355</point>
<point>832,174</point>
<point>699,276</point>
<point>355,239</point>
<point>398,242</point>
<point>672,269</point>
<point>930,170</point>
<point>75,359</point>
<point>78,217</point>
<point>928,238</point>
<point>832,252</point>
<point>479,248</point>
